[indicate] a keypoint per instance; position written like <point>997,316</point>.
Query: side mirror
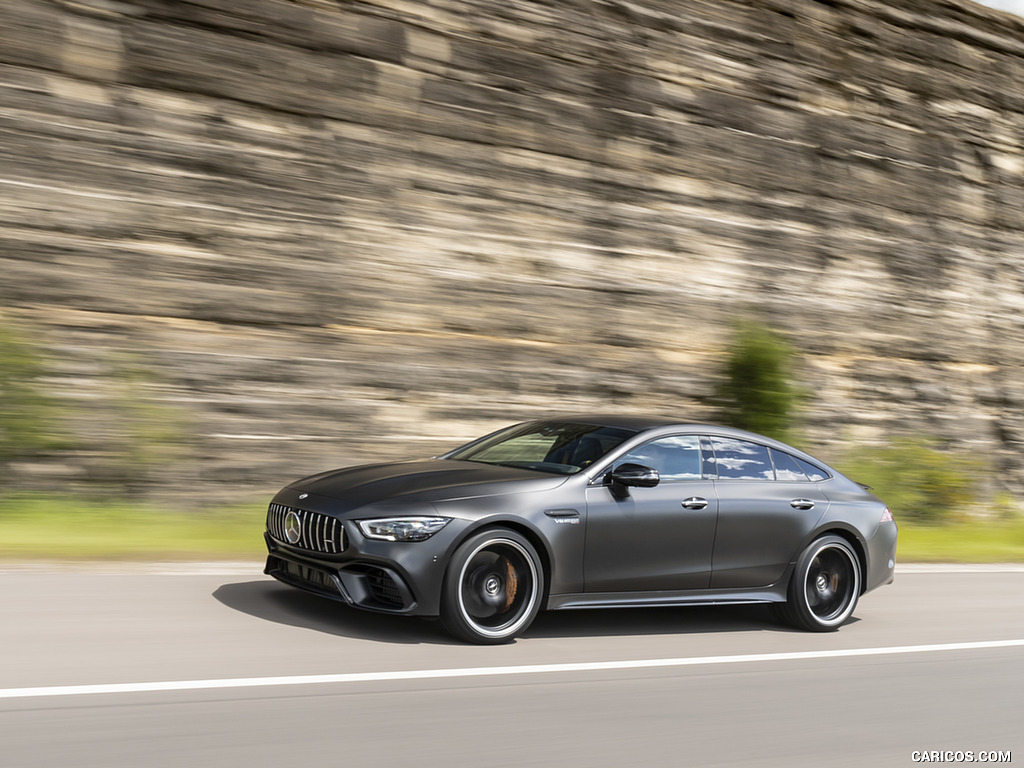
<point>633,475</point>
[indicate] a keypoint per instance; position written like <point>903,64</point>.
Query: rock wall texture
<point>337,230</point>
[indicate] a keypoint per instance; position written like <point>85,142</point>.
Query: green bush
<point>27,416</point>
<point>919,482</point>
<point>756,392</point>
<point>125,440</point>
<point>143,437</point>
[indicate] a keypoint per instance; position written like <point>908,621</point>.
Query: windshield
<point>557,447</point>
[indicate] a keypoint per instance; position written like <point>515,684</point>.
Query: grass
<point>33,528</point>
<point>996,541</point>
<point>64,528</point>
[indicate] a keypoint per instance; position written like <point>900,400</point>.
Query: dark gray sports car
<point>586,512</point>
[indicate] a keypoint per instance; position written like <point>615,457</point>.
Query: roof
<point>625,421</point>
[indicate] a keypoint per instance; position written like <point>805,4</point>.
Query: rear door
<point>767,507</point>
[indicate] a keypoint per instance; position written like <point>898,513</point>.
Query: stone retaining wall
<point>332,231</point>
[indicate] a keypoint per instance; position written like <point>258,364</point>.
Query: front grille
<point>383,587</point>
<point>316,532</point>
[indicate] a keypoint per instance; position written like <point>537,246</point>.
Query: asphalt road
<point>258,674</point>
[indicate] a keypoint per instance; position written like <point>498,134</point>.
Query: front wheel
<point>825,586</point>
<point>492,588</point>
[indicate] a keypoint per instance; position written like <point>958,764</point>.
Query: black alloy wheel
<point>492,588</point>
<point>825,586</point>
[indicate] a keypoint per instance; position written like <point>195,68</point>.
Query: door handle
<point>695,502</point>
<point>801,504</point>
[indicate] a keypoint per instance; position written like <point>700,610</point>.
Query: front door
<point>653,539</point>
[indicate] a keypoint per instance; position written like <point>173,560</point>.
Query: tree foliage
<point>756,392</point>
<point>918,480</point>
<point>27,415</point>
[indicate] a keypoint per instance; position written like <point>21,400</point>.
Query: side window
<point>812,472</point>
<point>740,460</point>
<point>786,467</point>
<point>676,458</point>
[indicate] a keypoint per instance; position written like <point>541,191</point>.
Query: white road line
<point>531,669</point>
<point>959,568</point>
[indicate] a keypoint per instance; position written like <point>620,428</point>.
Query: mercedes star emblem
<point>292,527</point>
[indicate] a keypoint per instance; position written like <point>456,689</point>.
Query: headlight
<point>402,528</point>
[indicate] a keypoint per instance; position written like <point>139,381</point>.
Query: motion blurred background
<point>246,240</point>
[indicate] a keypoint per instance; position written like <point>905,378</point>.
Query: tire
<point>825,586</point>
<point>492,587</point>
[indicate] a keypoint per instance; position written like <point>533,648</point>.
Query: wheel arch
<point>540,546</point>
<point>851,538</point>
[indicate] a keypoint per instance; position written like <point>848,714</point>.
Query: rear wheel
<point>492,588</point>
<point>825,586</point>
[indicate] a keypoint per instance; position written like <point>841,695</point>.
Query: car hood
<point>421,481</point>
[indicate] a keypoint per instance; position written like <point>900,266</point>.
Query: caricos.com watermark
<point>960,756</point>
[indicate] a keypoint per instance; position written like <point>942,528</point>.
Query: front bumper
<point>387,577</point>
<point>362,585</point>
